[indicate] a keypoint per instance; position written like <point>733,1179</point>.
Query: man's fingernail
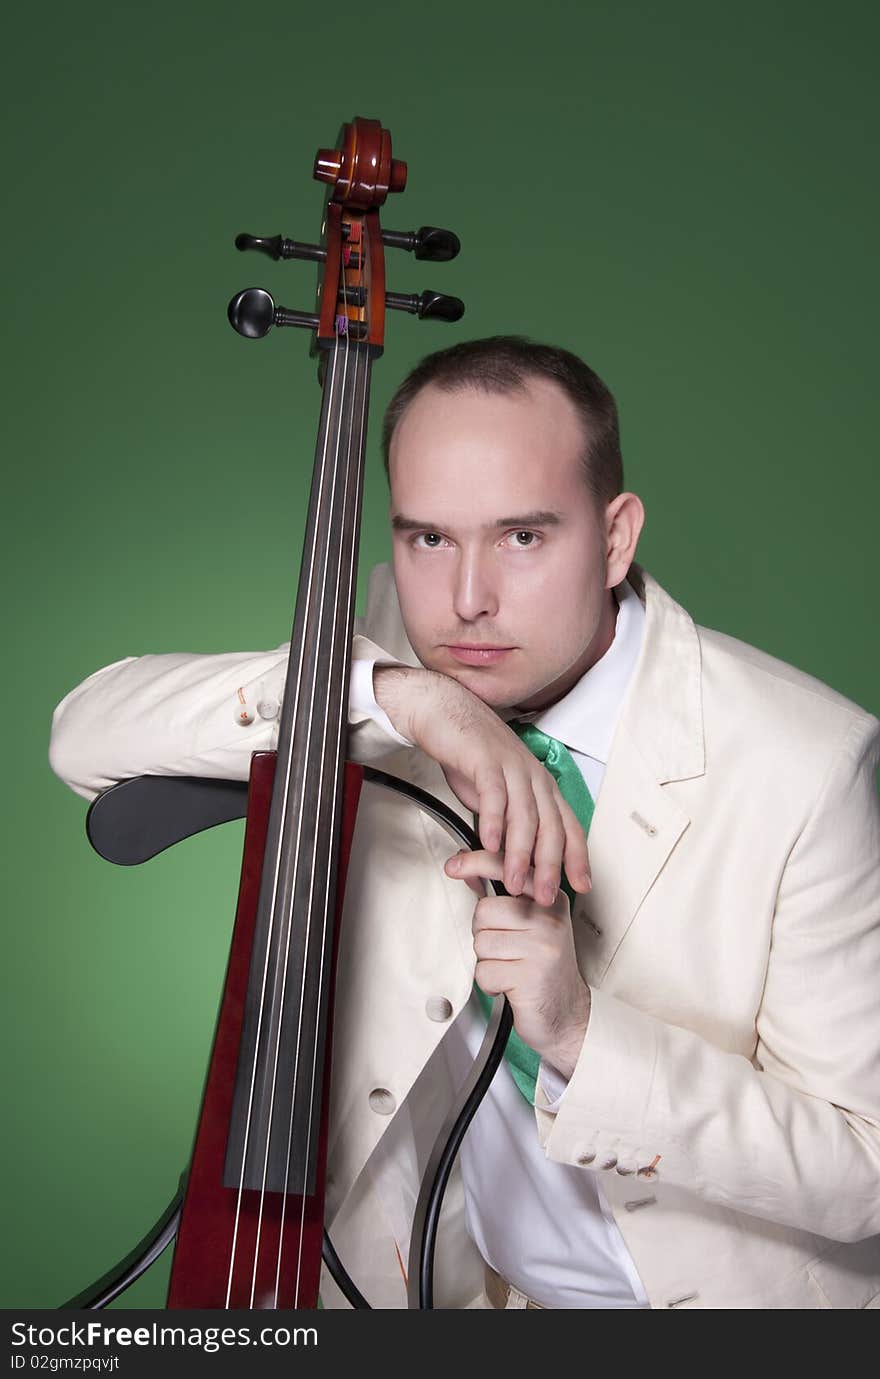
<point>454,863</point>
<point>516,883</point>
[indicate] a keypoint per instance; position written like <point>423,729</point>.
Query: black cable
<point>340,1277</point>
<point>447,1157</point>
<point>116,1280</point>
<point>427,1214</point>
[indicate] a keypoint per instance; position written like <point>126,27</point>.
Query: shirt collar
<point>586,717</point>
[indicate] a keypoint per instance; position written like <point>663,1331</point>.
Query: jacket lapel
<point>635,827</point>
<point>659,739</point>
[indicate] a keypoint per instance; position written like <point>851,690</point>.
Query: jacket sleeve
<point>179,714</point>
<point>792,1135</point>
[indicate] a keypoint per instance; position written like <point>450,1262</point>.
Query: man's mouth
<point>477,654</point>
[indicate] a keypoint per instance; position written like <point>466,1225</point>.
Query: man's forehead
<point>484,460</point>
<point>470,426</point>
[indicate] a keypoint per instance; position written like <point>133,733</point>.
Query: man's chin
<point>494,685</point>
<point>490,688</point>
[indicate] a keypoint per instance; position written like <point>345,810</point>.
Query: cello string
<point>359,393</point>
<point>332,827</point>
<point>310,901</point>
<point>272,919</point>
<point>288,919</point>
<point>275,878</point>
<point>311,906</point>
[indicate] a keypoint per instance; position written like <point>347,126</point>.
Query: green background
<point>683,193</point>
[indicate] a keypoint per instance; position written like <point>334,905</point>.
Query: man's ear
<point>624,519</point>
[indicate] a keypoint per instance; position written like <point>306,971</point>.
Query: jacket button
<point>610,1163</point>
<point>624,1170</point>
<point>586,1158</point>
<point>438,1008</point>
<point>382,1101</point>
<point>268,708</point>
<point>244,714</point>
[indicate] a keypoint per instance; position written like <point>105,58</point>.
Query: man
<point>700,1013</point>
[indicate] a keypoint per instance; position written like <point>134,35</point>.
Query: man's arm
<point>793,1135</point>
<point>179,714</point>
<point>173,714</point>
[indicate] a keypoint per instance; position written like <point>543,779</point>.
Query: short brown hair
<point>503,364</point>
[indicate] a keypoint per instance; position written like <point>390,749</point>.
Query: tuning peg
<point>428,305</point>
<point>427,243</point>
<point>277,247</point>
<point>253,313</point>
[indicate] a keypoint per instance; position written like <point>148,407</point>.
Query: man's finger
<point>479,862</point>
<point>576,858</point>
<point>487,865</point>
<point>475,876</point>
<point>492,793</point>
<point>512,914</point>
<point>549,846</point>
<point>522,829</point>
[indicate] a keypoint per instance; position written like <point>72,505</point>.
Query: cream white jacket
<point>731,942</point>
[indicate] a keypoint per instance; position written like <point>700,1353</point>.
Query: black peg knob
<point>440,307</point>
<point>266,244</point>
<point>437,245</point>
<point>427,243</point>
<point>427,305</point>
<point>277,247</point>
<point>253,313</point>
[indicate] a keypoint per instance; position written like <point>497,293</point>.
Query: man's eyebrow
<point>527,519</point>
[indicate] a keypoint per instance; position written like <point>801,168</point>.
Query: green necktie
<point>524,1062</point>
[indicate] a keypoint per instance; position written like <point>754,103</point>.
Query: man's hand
<point>493,774</point>
<point>527,951</point>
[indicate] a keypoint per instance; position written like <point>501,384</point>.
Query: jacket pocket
<point>848,1275</point>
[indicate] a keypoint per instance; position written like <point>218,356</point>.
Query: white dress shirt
<point>546,1227</point>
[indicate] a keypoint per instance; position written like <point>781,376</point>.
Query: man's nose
<point>475,594</point>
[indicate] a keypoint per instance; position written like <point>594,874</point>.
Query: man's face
<point>498,544</point>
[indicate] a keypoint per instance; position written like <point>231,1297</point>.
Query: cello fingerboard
<point>272,1142</point>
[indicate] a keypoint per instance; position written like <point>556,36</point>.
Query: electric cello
<point>249,1216</point>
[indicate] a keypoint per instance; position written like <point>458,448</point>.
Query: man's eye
<point>524,539</point>
<point>432,539</point>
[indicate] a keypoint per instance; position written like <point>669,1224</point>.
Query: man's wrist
<point>566,1051</point>
<point>363,705</point>
<point>404,692</point>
